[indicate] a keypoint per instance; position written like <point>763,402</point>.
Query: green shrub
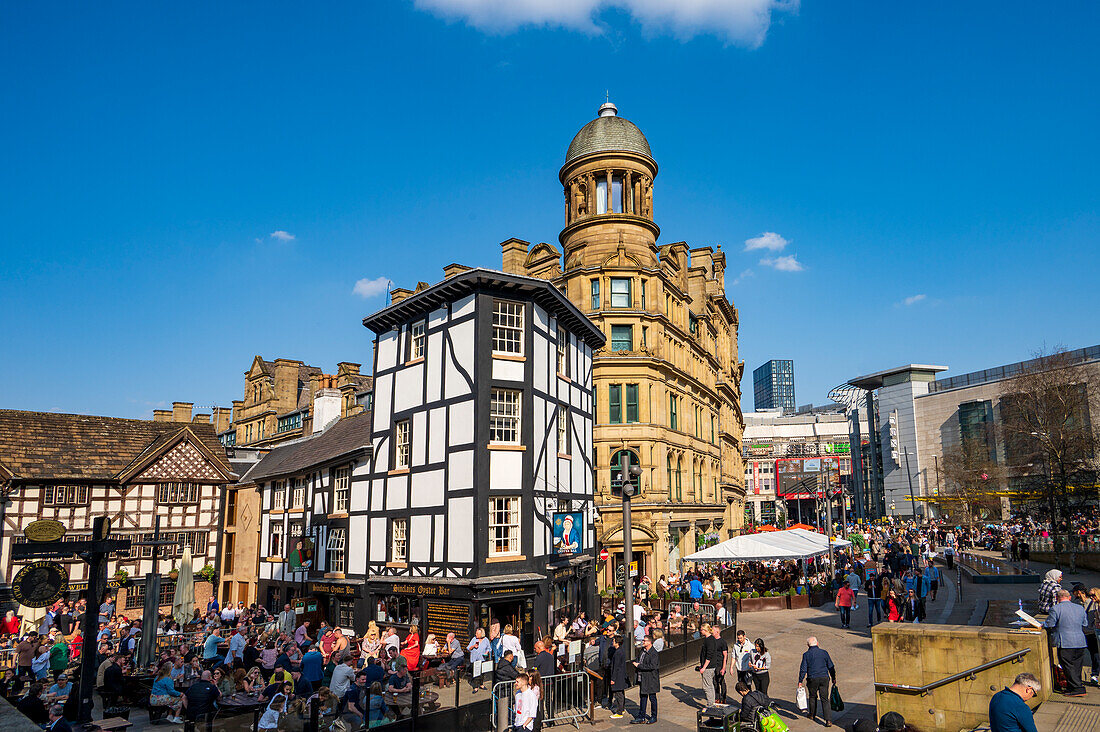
<point>755,594</point>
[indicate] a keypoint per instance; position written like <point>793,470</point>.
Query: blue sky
<point>931,169</point>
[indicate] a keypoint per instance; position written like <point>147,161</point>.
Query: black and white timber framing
<point>440,388</point>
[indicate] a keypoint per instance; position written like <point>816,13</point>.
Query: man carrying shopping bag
<point>816,670</point>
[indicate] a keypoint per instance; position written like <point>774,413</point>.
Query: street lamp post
<point>627,472</point>
<point>909,475</point>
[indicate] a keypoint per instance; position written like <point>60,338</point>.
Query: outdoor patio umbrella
<point>789,544</point>
<point>183,600</point>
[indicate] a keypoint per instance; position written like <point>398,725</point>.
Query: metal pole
<point>97,584</point>
<point>856,451</point>
<point>878,500</point>
<point>628,581</point>
<point>829,517</point>
<point>151,610</point>
<point>909,475</point>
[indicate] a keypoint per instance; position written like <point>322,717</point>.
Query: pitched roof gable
<point>51,446</point>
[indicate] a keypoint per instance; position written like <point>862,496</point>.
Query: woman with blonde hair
<point>371,644</point>
<point>510,642</point>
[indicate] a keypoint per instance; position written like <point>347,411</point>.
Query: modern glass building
<point>773,386</point>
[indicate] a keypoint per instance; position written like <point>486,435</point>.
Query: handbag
<point>801,699</point>
<point>835,702</point>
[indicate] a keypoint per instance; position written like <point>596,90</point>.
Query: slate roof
<point>47,445</point>
<point>605,134</point>
<point>344,437</point>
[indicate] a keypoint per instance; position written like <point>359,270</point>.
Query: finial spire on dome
<point>608,109</point>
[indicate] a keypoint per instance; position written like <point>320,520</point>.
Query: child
<point>270,718</point>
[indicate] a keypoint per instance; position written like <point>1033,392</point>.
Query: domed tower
<point>608,181</point>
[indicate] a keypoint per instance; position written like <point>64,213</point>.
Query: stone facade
<point>280,401</point>
<point>667,383</point>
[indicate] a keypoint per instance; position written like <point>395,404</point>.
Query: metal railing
<point>565,698</point>
<point>704,612</point>
<point>970,673</point>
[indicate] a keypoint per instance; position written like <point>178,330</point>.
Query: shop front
<point>525,602</point>
<point>340,603</point>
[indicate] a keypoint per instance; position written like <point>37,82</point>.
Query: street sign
<point>44,530</point>
<point>603,555</point>
<point>40,584</point>
<point>634,568</point>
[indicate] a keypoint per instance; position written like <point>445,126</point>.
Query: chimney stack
<point>162,415</point>
<point>201,418</point>
<point>515,256</point>
<point>452,269</point>
<point>181,411</point>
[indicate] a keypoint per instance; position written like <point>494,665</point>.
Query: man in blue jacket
<point>1008,709</point>
<point>1069,623</point>
<point>816,670</point>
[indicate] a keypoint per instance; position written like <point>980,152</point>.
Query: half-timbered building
<point>312,521</point>
<point>73,467</point>
<point>479,505</point>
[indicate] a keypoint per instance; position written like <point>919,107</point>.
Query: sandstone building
<point>280,401</point>
<point>667,383</point>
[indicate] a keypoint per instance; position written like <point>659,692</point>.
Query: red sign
<point>603,555</point>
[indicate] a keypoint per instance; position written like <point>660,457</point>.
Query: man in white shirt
<point>742,657</point>
<point>229,614</point>
<point>235,657</point>
<point>390,639</point>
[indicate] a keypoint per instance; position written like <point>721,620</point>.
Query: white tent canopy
<point>789,544</point>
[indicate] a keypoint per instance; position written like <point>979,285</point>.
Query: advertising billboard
<point>802,477</point>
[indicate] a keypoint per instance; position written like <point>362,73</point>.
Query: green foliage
<point>207,573</point>
<point>755,594</point>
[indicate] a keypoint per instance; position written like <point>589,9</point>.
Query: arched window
<point>617,462</point>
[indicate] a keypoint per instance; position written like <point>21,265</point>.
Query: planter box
<point>794,602</point>
<point>759,604</point>
<point>817,599</point>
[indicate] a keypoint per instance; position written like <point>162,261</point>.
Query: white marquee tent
<point>788,544</point>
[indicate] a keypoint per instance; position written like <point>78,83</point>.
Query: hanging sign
<point>40,584</point>
<point>44,530</point>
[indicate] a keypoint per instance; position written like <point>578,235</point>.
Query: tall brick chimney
<point>454,268</point>
<point>162,415</point>
<point>181,411</point>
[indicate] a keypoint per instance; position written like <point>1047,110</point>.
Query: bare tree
<point>1051,444</point>
<point>973,481</point>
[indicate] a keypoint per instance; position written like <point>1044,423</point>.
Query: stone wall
<point>1088,560</point>
<point>916,655</point>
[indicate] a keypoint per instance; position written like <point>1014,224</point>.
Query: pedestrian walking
<point>816,670</point>
<point>761,665</point>
<point>873,587</point>
<point>845,598</point>
<point>648,666</point>
<point>932,576</point>
<point>1008,709</point>
<point>1069,623</point>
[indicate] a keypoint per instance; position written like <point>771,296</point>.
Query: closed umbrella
<point>183,600</point>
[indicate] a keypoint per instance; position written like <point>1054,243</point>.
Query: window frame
<point>595,294</point>
<point>276,540</point>
<point>298,493</point>
<point>563,351</point>
<point>278,495</point>
<point>402,449</point>
<point>178,493</point>
<point>73,495</point>
<point>629,282</point>
<point>336,549</point>
<point>565,436</point>
<point>615,403</point>
<point>617,342</point>
<point>401,536</point>
<point>499,420</point>
<point>505,533</point>
<point>629,405</point>
<point>341,490</point>
<point>416,343</point>
<point>509,327</point>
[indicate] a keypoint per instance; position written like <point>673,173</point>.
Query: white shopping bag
<point>801,700</point>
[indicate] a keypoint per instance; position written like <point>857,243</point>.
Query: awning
<point>789,544</point>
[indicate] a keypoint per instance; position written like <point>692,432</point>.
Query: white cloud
<point>768,240</point>
<point>367,288</point>
<point>786,263</point>
<point>745,274</point>
<point>744,22</point>
<point>282,235</point>
<point>913,299</point>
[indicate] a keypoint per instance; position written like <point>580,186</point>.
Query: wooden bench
<point>113,724</point>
